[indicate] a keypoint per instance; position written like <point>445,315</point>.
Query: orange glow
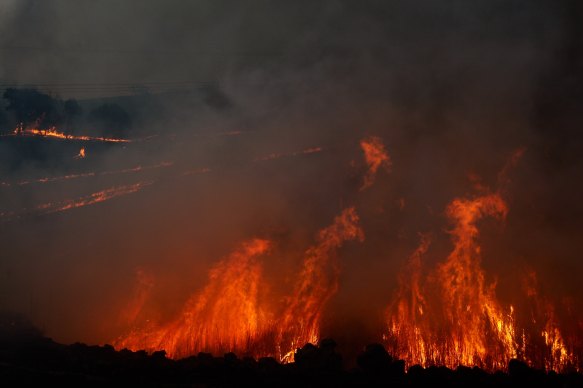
<point>376,156</point>
<point>454,317</point>
<point>142,290</point>
<point>53,133</point>
<point>316,284</point>
<point>229,315</point>
<point>81,154</point>
<point>225,316</point>
<point>273,156</point>
<point>91,199</point>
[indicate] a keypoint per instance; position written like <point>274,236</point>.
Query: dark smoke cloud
<point>452,87</point>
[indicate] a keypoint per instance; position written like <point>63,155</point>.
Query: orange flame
<point>317,283</point>
<point>454,318</point>
<point>376,156</point>
<point>52,132</point>
<point>81,154</point>
<point>225,316</point>
<point>228,315</point>
<point>100,196</point>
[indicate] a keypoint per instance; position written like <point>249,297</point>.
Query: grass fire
<point>324,193</point>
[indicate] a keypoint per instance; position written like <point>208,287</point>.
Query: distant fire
<point>54,133</point>
<point>100,196</point>
<point>81,154</point>
<point>51,179</point>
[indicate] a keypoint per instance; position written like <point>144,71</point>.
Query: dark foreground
<point>41,361</point>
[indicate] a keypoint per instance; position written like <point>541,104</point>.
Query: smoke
<point>234,95</point>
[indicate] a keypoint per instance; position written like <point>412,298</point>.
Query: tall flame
<point>228,315</point>
<point>454,318</point>
<point>316,284</point>
<point>225,316</point>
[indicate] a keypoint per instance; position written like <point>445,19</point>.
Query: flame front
<point>317,283</point>
<point>229,315</point>
<point>454,318</point>
<point>54,133</point>
<point>225,316</point>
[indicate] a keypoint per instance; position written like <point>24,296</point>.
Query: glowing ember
<point>376,156</point>
<point>228,315</point>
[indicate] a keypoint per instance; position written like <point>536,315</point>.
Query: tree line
<point>32,108</point>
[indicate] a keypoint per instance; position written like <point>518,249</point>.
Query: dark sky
<point>452,88</point>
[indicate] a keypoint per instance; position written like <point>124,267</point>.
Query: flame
<point>376,156</point>
<point>228,315</point>
<point>316,284</point>
<point>81,154</point>
<point>454,318</point>
<point>225,316</point>
<point>54,133</point>
<point>135,169</point>
<point>91,199</point>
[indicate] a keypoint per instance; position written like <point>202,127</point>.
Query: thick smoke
<point>217,89</point>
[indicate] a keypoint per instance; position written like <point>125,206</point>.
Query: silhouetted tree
<point>30,105</point>
<point>110,120</point>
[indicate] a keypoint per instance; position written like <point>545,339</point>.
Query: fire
<point>91,199</point>
<point>81,154</point>
<point>229,315</point>
<point>135,169</point>
<point>54,133</point>
<point>454,317</point>
<point>225,316</point>
<point>316,284</point>
<point>376,156</point>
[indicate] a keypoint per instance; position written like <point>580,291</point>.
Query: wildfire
<point>376,156</point>
<point>225,316</point>
<point>316,284</point>
<point>454,318</point>
<point>100,196</point>
<point>228,314</point>
<point>54,133</point>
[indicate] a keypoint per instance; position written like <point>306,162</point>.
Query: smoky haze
<point>232,93</point>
